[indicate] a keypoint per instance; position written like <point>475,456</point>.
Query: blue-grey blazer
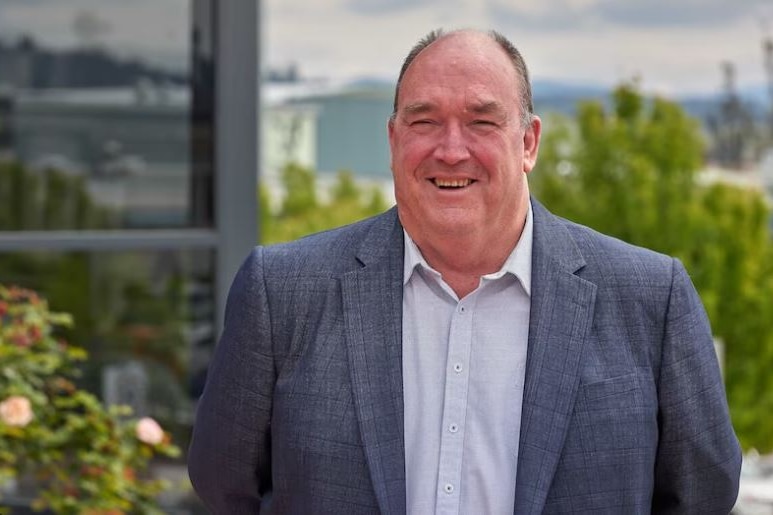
<point>624,410</point>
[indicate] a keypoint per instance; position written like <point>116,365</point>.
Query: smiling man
<point>466,352</point>
<point>461,146</point>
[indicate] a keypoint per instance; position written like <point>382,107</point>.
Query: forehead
<point>472,68</point>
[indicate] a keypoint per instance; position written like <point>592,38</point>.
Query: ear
<point>531,139</point>
<point>391,134</point>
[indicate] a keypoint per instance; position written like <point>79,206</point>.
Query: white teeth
<point>453,183</point>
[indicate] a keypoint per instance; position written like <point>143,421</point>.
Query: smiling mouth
<point>451,183</point>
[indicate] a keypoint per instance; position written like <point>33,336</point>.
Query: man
<point>468,352</point>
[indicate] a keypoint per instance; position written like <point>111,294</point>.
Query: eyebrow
<point>491,107</point>
<point>418,108</point>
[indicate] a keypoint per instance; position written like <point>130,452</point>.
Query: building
<point>128,198</point>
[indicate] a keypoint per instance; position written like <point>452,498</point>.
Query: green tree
<point>301,212</point>
<point>630,170</point>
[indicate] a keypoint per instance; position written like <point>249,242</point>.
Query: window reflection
<point>106,122</point>
<point>107,118</point>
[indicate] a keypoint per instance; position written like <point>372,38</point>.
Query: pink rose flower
<point>16,410</point>
<point>149,432</point>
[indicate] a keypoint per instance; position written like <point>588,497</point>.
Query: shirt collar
<point>518,263</point>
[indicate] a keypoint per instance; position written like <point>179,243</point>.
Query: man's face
<point>460,153</point>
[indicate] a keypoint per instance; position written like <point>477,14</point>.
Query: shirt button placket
<point>454,410</point>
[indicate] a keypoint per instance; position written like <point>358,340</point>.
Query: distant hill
<point>563,96</point>
<point>29,66</point>
<point>546,88</point>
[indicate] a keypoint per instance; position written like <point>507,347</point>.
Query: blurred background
<point>147,145</point>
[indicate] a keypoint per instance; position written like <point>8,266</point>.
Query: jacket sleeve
<point>698,461</point>
<point>229,460</point>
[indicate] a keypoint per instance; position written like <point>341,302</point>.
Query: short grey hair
<point>524,84</point>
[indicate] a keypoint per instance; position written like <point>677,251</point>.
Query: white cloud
<point>564,39</point>
<point>673,46</point>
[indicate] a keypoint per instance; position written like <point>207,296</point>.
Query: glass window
<point>97,115</point>
<point>106,122</point>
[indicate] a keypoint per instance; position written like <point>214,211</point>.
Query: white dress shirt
<point>464,362</point>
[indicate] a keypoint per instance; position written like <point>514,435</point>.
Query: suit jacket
<point>624,410</point>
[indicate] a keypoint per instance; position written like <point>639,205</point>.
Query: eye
<point>422,121</point>
<point>484,123</point>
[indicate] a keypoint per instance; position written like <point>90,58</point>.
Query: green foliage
<point>300,190</point>
<point>47,200</point>
<point>301,212</point>
<point>631,172</point>
<point>86,458</point>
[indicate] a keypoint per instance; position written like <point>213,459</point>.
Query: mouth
<point>451,184</point>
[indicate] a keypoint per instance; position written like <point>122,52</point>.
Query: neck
<point>462,259</point>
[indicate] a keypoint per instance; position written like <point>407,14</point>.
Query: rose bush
<point>148,431</point>
<point>84,457</point>
<point>16,411</point>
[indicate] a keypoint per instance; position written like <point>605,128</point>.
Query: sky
<point>675,47</point>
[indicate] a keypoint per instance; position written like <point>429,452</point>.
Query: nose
<point>452,145</point>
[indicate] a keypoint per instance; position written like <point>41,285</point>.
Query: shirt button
<point>453,428</point>
<point>448,488</point>
<point>457,367</point>
<point>462,309</point>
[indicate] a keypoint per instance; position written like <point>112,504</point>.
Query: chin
<point>452,226</point>
<point>442,222</point>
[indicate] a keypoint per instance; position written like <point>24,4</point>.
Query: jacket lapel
<point>561,314</point>
<point>372,298</point>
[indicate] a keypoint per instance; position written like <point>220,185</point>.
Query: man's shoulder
<point>589,238</point>
<point>612,257</point>
<point>333,249</point>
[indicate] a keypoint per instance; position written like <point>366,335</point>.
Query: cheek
<point>406,185</point>
<point>401,176</point>
<point>504,161</point>
<point>403,170</point>
<point>412,149</point>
